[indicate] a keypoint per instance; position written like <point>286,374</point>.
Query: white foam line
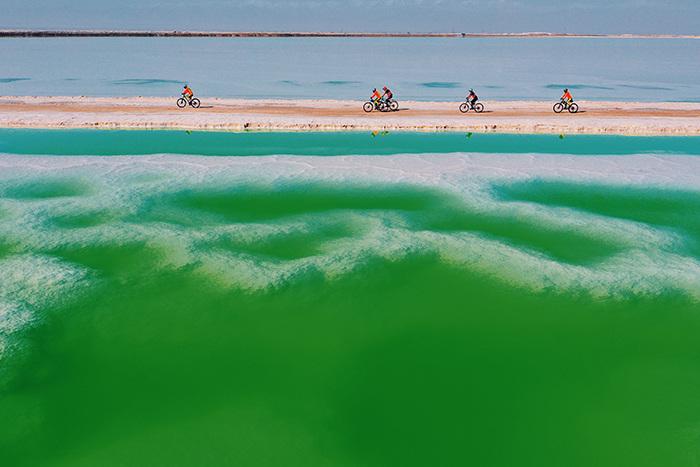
<point>30,282</point>
<point>649,263</point>
<point>640,169</point>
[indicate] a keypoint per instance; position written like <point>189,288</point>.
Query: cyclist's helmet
<point>184,87</point>
<point>385,88</point>
<point>566,89</point>
<point>471,90</point>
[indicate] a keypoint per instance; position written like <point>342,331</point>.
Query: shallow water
<point>131,142</point>
<point>348,68</point>
<point>425,309</point>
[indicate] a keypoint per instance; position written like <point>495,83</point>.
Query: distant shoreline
<point>244,34</point>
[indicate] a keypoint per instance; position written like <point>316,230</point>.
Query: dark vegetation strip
<point>104,33</point>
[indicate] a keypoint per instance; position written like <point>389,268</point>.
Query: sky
<point>571,16</point>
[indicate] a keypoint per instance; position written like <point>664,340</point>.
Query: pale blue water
<point>416,69</point>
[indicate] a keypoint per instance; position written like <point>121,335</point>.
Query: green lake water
<point>188,310</point>
<point>129,142</point>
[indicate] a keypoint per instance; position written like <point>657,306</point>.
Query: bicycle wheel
<point>195,103</point>
<point>478,107</point>
<point>393,105</point>
<point>464,107</point>
<point>573,108</point>
<point>558,107</point>
<point>368,107</point>
<point>181,102</point>
<point>382,106</point>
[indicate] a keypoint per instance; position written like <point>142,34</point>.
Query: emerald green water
<point>206,311</point>
<point>108,143</point>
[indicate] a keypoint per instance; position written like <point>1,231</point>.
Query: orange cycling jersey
<point>567,96</point>
<point>188,92</point>
<point>376,95</point>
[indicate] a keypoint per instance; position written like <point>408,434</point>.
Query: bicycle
<point>193,101</point>
<point>465,107</point>
<point>562,105</point>
<point>392,104</point>
<point>379,105</point>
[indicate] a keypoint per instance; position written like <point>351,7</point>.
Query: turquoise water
<point>323,309</point>
<point>416,69</point>
<point>130,142</point>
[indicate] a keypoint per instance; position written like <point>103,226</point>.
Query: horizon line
<point>253,34</point>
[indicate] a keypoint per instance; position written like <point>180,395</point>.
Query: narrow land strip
<point>625,118</point>
<point>108,33</point>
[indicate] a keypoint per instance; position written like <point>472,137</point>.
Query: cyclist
<point>376,97</point>
<point>567,98</point>
<point>387,94</point>
<point>472,98</point>
<point>187,93</point>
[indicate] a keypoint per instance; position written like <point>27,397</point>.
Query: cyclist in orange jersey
<point>567,97</point>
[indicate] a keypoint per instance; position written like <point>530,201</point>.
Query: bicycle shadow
<point>472,112</point>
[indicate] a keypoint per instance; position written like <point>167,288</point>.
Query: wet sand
<point>626,118</point>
